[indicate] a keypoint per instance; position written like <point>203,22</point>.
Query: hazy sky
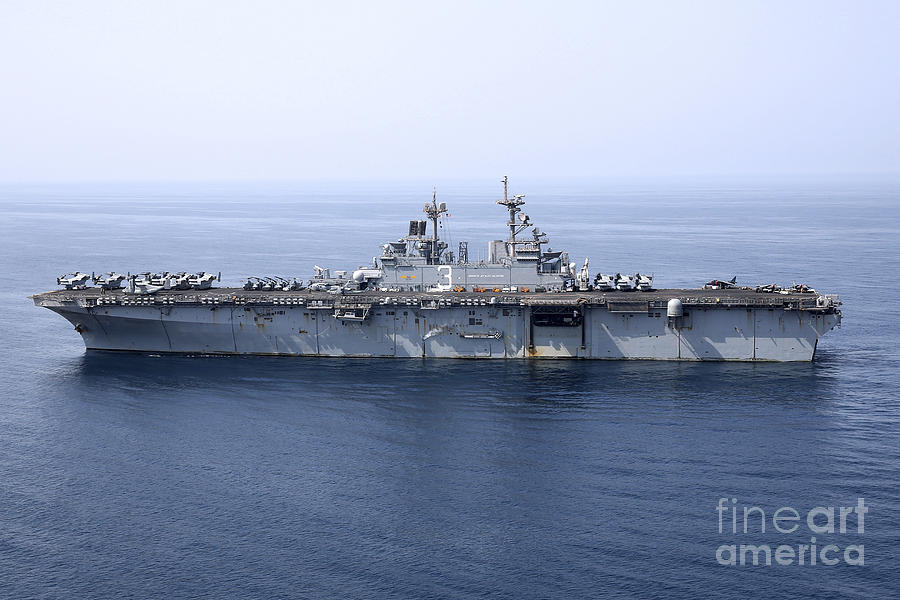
<point>152,90</point>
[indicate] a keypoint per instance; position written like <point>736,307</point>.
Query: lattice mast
<point>516,224</point>
<point>433,211</point>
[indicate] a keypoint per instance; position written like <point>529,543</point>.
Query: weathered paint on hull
<point>714,333</point>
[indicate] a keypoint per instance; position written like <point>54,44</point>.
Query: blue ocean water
<point>178,477</point>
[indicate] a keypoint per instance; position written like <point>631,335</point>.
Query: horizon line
<point>699,177</point>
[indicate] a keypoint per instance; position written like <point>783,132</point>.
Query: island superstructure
<point>419,298</point>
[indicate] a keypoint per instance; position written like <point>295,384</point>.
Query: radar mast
<point>433,211</point>
<point>515,224</point>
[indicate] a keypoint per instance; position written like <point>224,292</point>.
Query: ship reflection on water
<point>557,383</point>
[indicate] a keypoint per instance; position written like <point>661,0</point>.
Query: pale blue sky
<point>197,90</point>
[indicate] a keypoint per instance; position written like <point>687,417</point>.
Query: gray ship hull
<point>721,325</point>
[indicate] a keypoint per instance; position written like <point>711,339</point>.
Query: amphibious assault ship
<point>421,299</point>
